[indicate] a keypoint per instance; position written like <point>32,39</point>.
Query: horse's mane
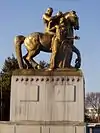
<point>56,19</point>
<point>66,13</point>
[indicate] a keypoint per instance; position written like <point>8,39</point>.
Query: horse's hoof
<point>50,69</point>
<point>77,65</point>
<point>39,67</point>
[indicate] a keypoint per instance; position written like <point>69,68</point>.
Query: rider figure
<point>56,31</point>
<point>47,18</point>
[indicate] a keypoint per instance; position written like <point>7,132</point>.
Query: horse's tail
<point>18,41</point>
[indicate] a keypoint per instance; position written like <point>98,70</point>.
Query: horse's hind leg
<point>78,60</point>
<point>28,65</point>
<point>30,56</point>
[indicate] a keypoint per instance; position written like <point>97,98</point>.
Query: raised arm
<point>46,17</point>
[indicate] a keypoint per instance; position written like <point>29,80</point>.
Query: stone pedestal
<point>54,97</point>
<point>47,96</point>
<point>41,127</point>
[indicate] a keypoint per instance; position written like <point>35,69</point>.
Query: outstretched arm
<point>46,17</point>
<point>51,28</point>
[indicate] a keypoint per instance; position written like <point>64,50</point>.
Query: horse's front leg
<point>28,65</point>
<point>31,54</point>
<point>78,60</point>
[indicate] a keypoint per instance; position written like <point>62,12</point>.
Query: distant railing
<point>93,128</point>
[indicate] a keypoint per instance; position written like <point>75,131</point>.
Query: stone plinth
<point>42,127</point>
<point>47,96</point>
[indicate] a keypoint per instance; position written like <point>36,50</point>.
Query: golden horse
<point>36,42</point>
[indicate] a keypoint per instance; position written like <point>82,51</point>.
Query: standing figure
<point>58,37</point>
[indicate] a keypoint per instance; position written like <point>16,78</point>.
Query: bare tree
<point>93,100</point>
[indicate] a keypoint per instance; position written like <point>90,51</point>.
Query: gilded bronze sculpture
<point>47,18</point>
<point>57,39</point>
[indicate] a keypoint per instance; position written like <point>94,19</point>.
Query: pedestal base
<point>47,96</point>
<point>41,127</point>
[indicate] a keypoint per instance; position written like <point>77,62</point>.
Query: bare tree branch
<point>93,100</point>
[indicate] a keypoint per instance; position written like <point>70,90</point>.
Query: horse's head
<point>73,19</point>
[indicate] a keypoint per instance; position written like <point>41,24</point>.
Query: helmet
<point>50,9</point>
<point>59,13</point>
<point>74,12</point>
